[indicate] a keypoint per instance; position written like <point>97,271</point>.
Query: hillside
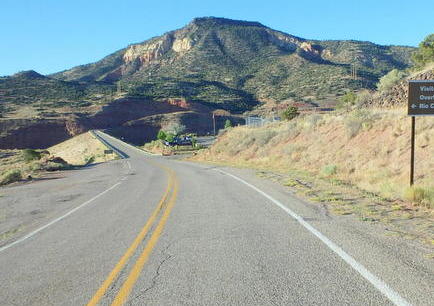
<point>354,163</point>
<point>397,96</point>
<point>235,64</point>
<point>43,97</point>
<point>211,63</point>
<point>20,165</point>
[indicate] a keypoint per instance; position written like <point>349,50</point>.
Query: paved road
<point>206,141</point>
<point>146,230</point>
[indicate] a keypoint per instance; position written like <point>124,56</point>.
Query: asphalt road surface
<point>147,230</point>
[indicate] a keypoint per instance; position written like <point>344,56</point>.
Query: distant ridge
<point>31,74</point>
<point>224,21</point>
<point>235,65</point>
<point>186,74</point>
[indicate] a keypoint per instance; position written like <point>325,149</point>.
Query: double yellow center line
<point>167,202</point>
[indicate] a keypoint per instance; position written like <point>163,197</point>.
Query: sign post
<point>413,132</point>
<point>420,103</point>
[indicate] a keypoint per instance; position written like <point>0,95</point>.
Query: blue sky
<point>53,35</point>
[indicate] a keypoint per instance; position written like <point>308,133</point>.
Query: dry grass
<point>361,172</point>
<point>81,150</point>
<point>369,149</point>
<point>11,176</point>
<point>157,147</point>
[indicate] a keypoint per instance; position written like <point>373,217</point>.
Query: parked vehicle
<point>180,141</point>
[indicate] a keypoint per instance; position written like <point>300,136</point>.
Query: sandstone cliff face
<point>182,45</point>
<point>284,41</point>
<point>309,48</point>
<point>148,52</point>
<point>154,50</point>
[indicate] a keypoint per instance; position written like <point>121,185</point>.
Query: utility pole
<point>213,121</point>
<point>354,71</point>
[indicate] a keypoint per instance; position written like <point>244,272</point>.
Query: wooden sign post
<point>420,103</point>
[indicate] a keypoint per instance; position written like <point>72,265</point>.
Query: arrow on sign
<point>413,106</point>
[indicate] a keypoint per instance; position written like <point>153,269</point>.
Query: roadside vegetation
<point>392,86</point>
<point>171,140</point>
<point>84,149</point>
<point>354,163</point>
<point>17,165</point>
<point>355,159</point>
<point>366,148</point>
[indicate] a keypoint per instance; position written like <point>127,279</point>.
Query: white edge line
<point>392,295</point>
<point>57,219</point>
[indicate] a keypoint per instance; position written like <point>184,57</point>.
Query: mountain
<point>236,64</point>
<point>31,88</point>
<point>211,63</point>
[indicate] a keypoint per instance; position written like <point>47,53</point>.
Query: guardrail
<point>109,146</point>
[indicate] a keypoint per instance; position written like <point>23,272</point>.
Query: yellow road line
<point>128,285</point>
<point>130,251</point>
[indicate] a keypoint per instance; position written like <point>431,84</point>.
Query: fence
<point>259,121</point>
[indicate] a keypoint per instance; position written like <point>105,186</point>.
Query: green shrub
<point>89,160</point>
<point>329,170</point>
<point>11,176</point>
<point>52,166</point>
<point>346,100</point>
<point>358,119</point>
<point>228,124</point>
<point>161,135</point>
<point>420,195</point>
<point>425,53</point>
<point>36,166</point>
<point>29,155</point>
<point>390,80</point>
<point>363,97</point>
<point>174,128</point>
<point>290,113</point>
<point>170,137</point>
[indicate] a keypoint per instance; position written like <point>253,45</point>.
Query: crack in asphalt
<point>154,278</point>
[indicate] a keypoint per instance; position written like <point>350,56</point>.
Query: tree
<point>170,137</point>
<point>174,127</point>
<point>425,53</point>
<point>346,100</point>
<point>290,113</point>
<point>29,155</point>
<point>161,135</point>
<point>389,80</point>
<point>228,124</point>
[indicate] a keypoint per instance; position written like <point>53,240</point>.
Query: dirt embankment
<point>83,149</point>
<point>37,133</point>
<point>369,149</point>
<point>133,119</point>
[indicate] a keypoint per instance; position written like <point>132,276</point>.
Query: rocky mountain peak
<point>29,74</point>
<point>213,21</point>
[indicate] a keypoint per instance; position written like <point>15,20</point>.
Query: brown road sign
<point>421,98</point>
